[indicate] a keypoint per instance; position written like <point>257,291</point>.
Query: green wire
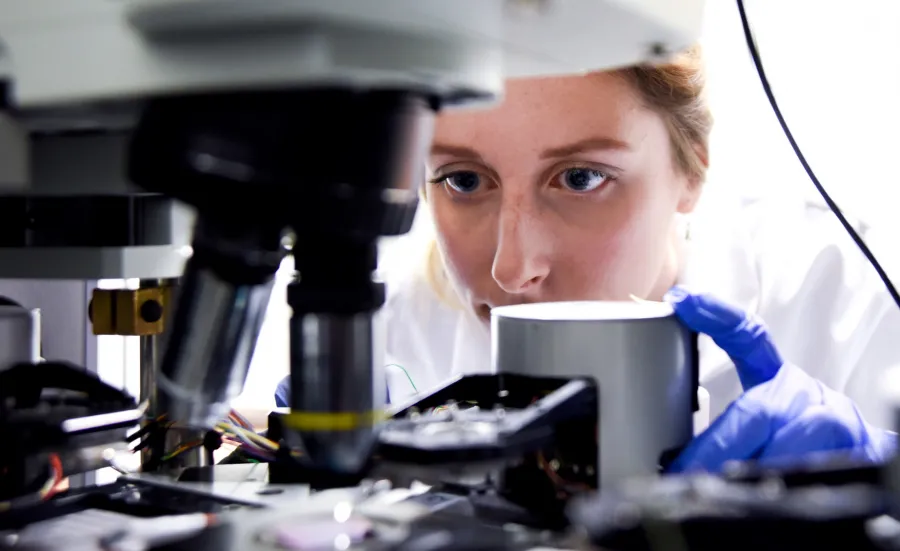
<point>407,376</point>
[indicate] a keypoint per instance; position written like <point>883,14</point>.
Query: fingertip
<point>676,294</point>
<point>707,314</point>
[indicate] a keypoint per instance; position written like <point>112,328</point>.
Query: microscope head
<point>337,167</point>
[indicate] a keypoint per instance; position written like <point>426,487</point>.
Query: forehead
<point>551,111</point>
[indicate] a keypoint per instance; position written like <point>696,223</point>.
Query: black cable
<point>754,53</point>
<point>152,424</point>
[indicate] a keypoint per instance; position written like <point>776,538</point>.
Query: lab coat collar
<point>720,257</point>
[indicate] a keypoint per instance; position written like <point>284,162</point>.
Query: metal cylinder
<point>334,377</point>
<point>149,365</point>
<point>173,437</point>
<point>642,359</point>
<point>210,348</point>
<point>20,335</point>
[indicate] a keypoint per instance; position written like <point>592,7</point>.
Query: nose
<point>521,261</point>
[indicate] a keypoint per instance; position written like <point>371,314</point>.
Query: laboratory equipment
<point>275,127</point>
<point>143,115</point>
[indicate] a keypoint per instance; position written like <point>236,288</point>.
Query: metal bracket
<point>130,311</point>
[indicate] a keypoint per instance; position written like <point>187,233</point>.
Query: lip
<point>483,309</point>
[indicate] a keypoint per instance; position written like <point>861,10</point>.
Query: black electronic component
<point>85,220</point>
<point>516,414</point>
<point>535,437</point>
<point>53,411</point>
<point>810,509</point>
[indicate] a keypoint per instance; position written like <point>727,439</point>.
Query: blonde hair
<point>675,91</point>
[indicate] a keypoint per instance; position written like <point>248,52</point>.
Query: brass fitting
<point>129,311</point>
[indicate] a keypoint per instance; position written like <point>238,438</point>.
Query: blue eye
<point>463,181</point>
<point>582,179</point>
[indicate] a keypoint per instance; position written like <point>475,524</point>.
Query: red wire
<point>56,465</point>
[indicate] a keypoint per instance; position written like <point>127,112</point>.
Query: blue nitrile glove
<point>784,414</point>
<point>283,393</point>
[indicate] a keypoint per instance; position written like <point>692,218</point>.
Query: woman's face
<point>565,191</point>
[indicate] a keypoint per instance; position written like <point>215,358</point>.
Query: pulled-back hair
<point>675,90</point>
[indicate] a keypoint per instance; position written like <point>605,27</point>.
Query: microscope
<point>301,127</point>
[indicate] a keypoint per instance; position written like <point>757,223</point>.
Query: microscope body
<point>202,141</point>
<point>270,128</point>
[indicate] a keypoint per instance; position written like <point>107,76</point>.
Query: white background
<point>835,70</point>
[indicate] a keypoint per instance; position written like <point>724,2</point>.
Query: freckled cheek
<point>599,264</point>
<point>609,262</point>
<point>639,255</point>
<point>467,248</point>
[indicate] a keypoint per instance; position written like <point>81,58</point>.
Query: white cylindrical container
<point>641,357</point>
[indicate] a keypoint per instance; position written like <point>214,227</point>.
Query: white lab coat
<point>789,262</point>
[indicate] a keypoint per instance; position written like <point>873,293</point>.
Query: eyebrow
<point>454,151</point>
<point>581,146</point>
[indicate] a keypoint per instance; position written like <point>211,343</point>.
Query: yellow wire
<point>181,449</point>
<point>241,420</point>
<point>259,439</point>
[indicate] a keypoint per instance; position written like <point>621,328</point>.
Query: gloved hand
<point>283,393</point>
<point>784,414</point>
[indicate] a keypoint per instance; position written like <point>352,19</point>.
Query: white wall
<point>835,69</point>
<point>271,360</point>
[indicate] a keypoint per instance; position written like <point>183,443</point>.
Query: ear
<point>690,196</point>
<point>693,185</point>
